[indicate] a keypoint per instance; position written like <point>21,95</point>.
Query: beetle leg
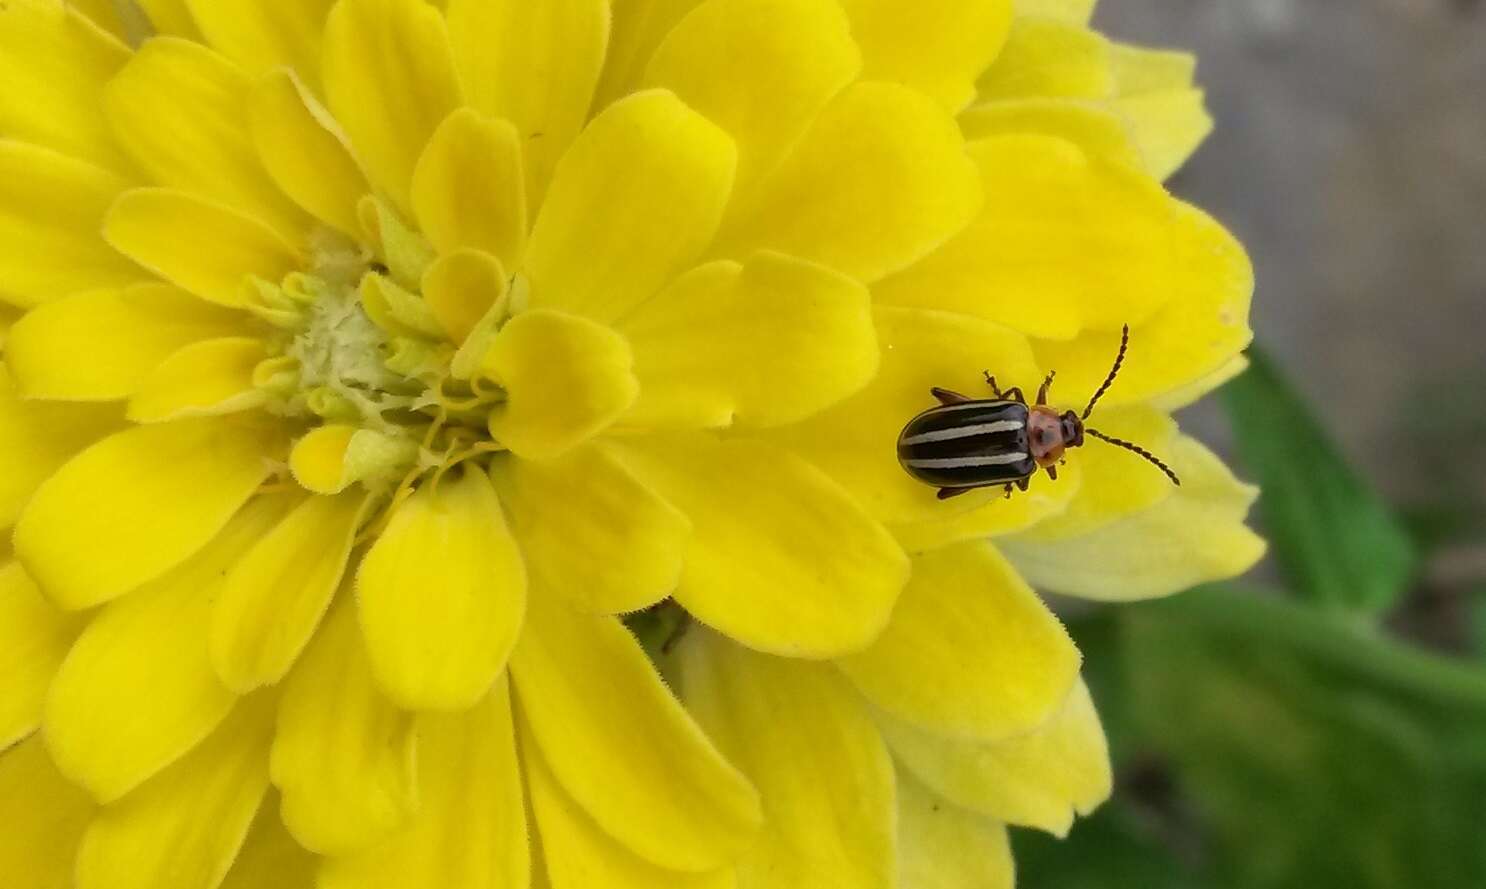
<point>947,396</point>
<point>1052,472</point>
<point>991,381</point>
<point>1042,392</point>
<point>1008,491</point>
<point>1014,394</point>
<point>1023,483</point>
<point>946,493</point>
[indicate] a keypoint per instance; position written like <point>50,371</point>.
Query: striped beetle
<point>967,443</point>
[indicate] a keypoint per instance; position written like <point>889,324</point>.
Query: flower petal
<point>781,558</point>
<point>578,854</point>
<point>566,379</point>
<point>501,44</point>
<point>470,830</point>
<point>663,175</point>
<point>971,650</point>
<point>1076,12</point>
<point>270,858</point>
<point>638,27</point>
<point>50,210</point>
<point>945,847</point>
<point>468,187</point>
<point>137,691</point>
<point>461,288</point>
<point>766,343</point>
<point>1194,536</point>
<point>100,346</point>
<point>277,593</point>
<point>332,457</point>
<point>1045,58</point>
<point>343,756</point>
<point>824,775</point>
<point>54,64</point>
<point>137,504</point>
<point>44,816</point>
<point>203,379</point>
<point>1100,132</point>
<point>938,47</point>
<point>177,108</point>
<point>34,638</point>
<point>800,53</point>
<point>442,594</point>
<point>37,437</point>
<point>184,828</point>
<point>623,747</point>
<point>1070,242</point>
<point>168,17</point>
<point>206,248</point>
<point>305,152</point>
<point>261,35</point>
<point>390,81</point>
<point>1168,116</point>
<point>631,540</point>
<point>878,181</point>
<point>1202,328</point>
<point>1039,779</point>
<point>853,441</point>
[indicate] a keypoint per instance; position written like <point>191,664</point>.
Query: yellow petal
<point>397,310</point>
<point>261,36</point>
<point>203,379</point>
<point>592,532</point>
<point>136,504</point>
<point>1201,329</point>
<point>938,47</point>
<point>343,756</point>
<point>304,151</point>
<point>1040,779</point>
<point>1045,58</point>
<point>138,691</point>
<point>184,828</point>
<point>579,855</point>
<point>389,80</point>
<point>781,558</point>
<point>662,174</point>
<point>168,17</point>
<point>177,108</point>
<point>468,187</point>
<point>1167,115</point>
<point>54,64</point>
<point>276,594</point>
<point>1068,242</point>
<point>943,846</point>
<point>823,773</point>
<point>461,288</point>
<point>206,248</point>
<point>1116,483</point>
<point>102,345</point>
<point>879,180</point>
<point>1194,392</point>
<point>470,831</point>
<point>44,816</point>
<point>270,858</point>
<point>800,53</point>
<point>36,437</point>
<point>854,442</point>
<point>1076,12</point>
<point>622,747</point>
<point>638,27</point>
<point>104,14</point>
<point>970,651</point>
<point>442,595</point>
<point>766,343</point>
<point>1100,132</point>
<point>333,457</point>
<point>34,638</point>
<point>566,379</point>
<point>534,64</point>
<point>50,209</point>
<point>1194,536</point>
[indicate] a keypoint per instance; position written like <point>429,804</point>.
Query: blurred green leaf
<point>1111,850</point>
<point>1317,754</point>
<point>1329,530</point>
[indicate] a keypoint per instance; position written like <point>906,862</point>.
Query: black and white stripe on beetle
<point>968,443</point>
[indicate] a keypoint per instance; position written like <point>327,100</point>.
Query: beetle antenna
<point>1120,443</point>
<point>1113,372</point>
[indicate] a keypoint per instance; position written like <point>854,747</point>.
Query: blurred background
<point>1323,723</point>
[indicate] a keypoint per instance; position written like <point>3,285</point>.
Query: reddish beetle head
<point>1049,434</point>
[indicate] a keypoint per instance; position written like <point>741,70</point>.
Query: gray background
<point>1350,157</point>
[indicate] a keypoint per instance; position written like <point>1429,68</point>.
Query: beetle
<point>967,443</point>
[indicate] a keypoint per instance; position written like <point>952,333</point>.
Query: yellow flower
<point>424,340</point>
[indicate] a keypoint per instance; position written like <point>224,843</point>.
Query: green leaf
<point>1316,753</point>
<point>1330,531</point>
